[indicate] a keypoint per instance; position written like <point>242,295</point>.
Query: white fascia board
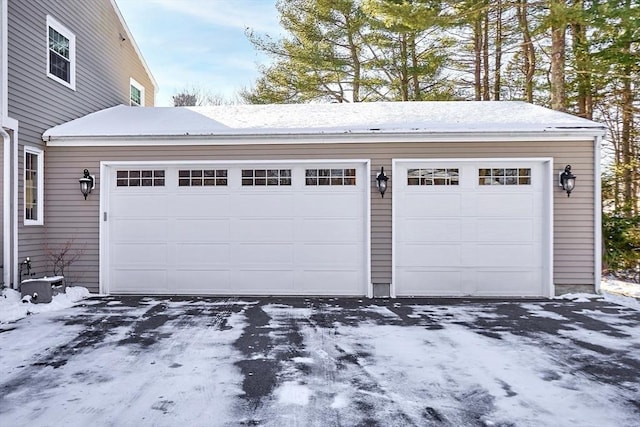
<point>346,138</point>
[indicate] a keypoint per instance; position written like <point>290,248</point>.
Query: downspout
<point>597,197</point>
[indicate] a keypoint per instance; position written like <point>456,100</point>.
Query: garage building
<point>286,199</point>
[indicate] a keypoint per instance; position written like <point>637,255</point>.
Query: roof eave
<point>557,134</point>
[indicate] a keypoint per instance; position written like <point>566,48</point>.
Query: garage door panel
<point>267,254</point>
<point>430,204</point>
<point>202,230</point>
<point>433,255</point>
<point>261,230</point>
<point>440,282</point>
<point>330,230</point>
<point>507,283</point>
<point>328,256</point>
<point>431,230</point>
<point>140,254</point>
<point>263,282</point>
<point>136,280</point>
<point>199,205</point>
<point>518,205</point>
<point>341,206</point>
<point>267,203</point>
<point>507,255</point>
<point>140,206</point>
<point>141,230</point>
<point>330,282</point>
<point>505,229</point>
<point>197,281</point>
<point>200,254</point>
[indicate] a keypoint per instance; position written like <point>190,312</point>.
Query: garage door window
<point>202,177</point>
<point>140,178</point>
<point>507,176</point>
<point>318,177</point>
<point>260,177</point>
<point>433,176</point>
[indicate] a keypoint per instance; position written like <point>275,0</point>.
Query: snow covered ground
<point>611,285</point>
<point>323,362</point>
<point>12,308</point>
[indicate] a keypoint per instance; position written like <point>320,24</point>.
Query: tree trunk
<point>417,93</point>
<point>355,58</point>
<point>404,70</point>
<point>477,47</point>
<point>627,144</point>
<point>486,91</point>
<point>583,67</point>
<point>528,53</point>
<point>497,72</point>
<point>558,45</point>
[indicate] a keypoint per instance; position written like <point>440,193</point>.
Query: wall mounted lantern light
<point>87,183</point>
<point>381,181</point>
<point>567,180</point>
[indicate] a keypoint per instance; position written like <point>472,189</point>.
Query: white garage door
<point>471,228</point>
<point>240,229</point>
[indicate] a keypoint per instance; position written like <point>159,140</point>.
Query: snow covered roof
<point>320,119</point>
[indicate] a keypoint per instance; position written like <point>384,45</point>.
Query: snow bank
<point>612,285</point>
<point>12,308</point>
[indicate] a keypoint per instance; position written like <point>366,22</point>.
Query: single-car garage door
<point>477,228</point>
<point>261,228</point>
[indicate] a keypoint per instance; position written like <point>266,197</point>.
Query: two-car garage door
<point>242,229</point>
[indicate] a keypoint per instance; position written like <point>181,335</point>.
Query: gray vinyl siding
<point>104,66</point>
<point>69,215</point>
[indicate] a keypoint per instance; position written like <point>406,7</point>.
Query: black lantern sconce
<point>567,180</point>
<point>87,183</point>
<point>381,181</point>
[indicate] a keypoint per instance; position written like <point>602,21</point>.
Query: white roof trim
<point>290,139</point>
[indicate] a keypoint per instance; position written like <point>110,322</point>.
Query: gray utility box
<point>42,290</point>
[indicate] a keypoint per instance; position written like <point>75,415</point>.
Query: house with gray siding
<point>368,199</point>
<point>59,60</point>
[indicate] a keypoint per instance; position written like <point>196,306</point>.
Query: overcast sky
<point>199,43</point>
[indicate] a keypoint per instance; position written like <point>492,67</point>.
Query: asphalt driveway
<point>322,362</point>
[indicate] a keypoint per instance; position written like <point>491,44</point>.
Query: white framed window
<point>504,176</point>
<point>323,177</point>
<point>61,53</point>
<point>266,177</point>
<point>140,178</point>
<point>33,186</point>
<point>433,176</point>
<point>202,177</point>
<point>136,93</point>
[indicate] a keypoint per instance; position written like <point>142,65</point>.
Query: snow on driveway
<point>323,362</point>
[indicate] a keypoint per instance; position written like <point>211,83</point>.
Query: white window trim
<point>51,22</point>
<point>140,87</point>
<point>40,184</point>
